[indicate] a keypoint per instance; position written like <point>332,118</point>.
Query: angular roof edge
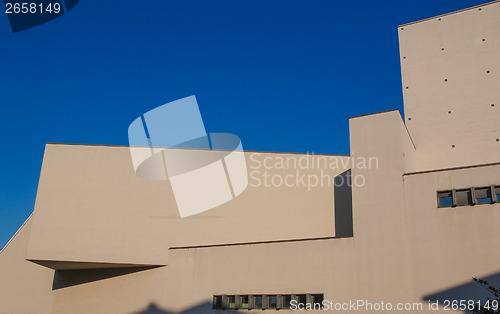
<point>374,113</point>
<point>247,151</point>
<point>450,13</point>
<point>15,234</point>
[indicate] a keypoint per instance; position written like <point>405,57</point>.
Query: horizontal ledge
<point>451,169</point>
<point>253,243</point>
<point>72,265</point>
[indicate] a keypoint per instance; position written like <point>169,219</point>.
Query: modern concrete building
<point>409,217</point>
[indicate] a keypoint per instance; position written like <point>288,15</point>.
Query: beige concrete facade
<point>450,73</point>
<point>99,203</point>
<point>102,240</point>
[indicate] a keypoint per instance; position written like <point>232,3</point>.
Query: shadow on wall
<point>68,278</point>
<point>468,291</point>
<point>202,308</point>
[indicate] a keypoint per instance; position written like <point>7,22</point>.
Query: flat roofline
<point>246,151</point>
<point>450,13</point>
<point>451,169</point>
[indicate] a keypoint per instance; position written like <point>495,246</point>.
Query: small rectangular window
<point>317,301</point>
<point>483,195</point>
<point>464,197</point>
<point>217,302</point>
<point>445,199</point>
<point>317,298</point>
<point>286,300</point>
<point>257,302</point>
<point>497,193</point>
<point>244,302</point>
<point>273,301</point>
<point>231,301</point>
<point>302,298</point>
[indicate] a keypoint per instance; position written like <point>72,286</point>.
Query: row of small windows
<point>469,197</point>
<point>263,301</point>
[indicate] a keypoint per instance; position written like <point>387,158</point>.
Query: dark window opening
<point>257,302</point>
<point>286,300</point>
<point>244,302</point>
<point>483,195</point>
<point>273,301</point>
<point>468,197</point>
<point>445,199</point>
<point>302,298</point>
<point>231,299</point>
<point>217,302</point>
<point>464,197</point>
<point>317,298</point>
<point>266,302</point>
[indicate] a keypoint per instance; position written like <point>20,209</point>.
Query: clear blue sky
<point>284,75</point>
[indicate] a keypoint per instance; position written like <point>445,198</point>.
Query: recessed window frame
<point>255,298</point>
<point>231,302</point>
<point>445,195</point>
<point>282,301</point>
<point>486,191</point>
<point>474,196</point>
<point>217,302</point>
<point>239,302</point>
<point>270,304</point>
<point>301,298</point>
<point>469,197</point>
<point>318,297</point>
